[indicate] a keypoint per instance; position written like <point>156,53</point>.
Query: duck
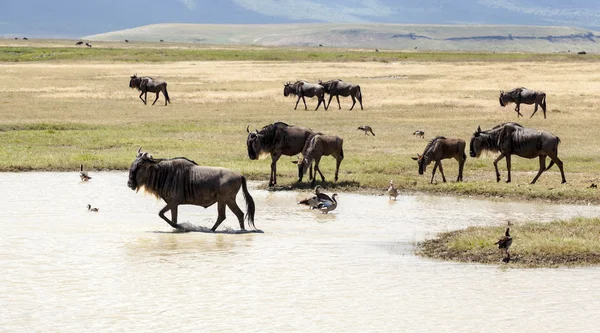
<point>313,202</point>
<point>505,242</point>
<point>327,205</point>
<point>89,207</point>
<point>392,191</point>
<point>83,174</point>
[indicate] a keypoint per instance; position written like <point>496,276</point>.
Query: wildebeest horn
<point>248,129</point>
<point>139,149</point>
<point>478,129</point>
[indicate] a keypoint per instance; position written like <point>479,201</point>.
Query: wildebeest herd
<point>181,181</point>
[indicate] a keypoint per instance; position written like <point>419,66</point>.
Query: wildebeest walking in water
<point>302,89</point>
<point>147,84</point>
<point>276,139</point>
<point>317,146</point>
<point>179,181</point>
<point>440,148</point>
<point>524,96</point>
<point>339,88</point>
<point>512,138</point>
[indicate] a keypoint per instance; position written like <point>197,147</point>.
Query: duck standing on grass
<point>83,174</point>
<point>90,209</point>
<point>504,243</point>
<point>392,191</point>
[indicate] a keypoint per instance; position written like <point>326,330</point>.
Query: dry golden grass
<point>58,115</point>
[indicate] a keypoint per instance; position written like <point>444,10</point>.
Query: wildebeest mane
<point>270,135</point>
<point>164,177</point>
<point>431,143</point>
<point>491,137</point>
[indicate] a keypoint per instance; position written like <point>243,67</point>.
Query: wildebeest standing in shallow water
<point>339,88</point>
<point>147,84</point>
<point>440,148</point>
<point>512,138</point>
<point>276,139</point>
<point>524,96</point>
<point>303,88</point>
<point>179,181</point>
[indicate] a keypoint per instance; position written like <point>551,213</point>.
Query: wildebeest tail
<point>250,207</point>
<point>166,93</point>
<point>544,104</point>
<point>555,153</point>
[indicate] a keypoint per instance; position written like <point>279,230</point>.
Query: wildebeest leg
<point>518,108</point>
<point>274,158</point>
<point>237,211</point>
<point>338,100</point>
<point>534,109</point>
<point>320,100</point>
<point>329,103</point>
<point>433,173</point>
<point>353,102</point>
<point>338,161</point>
<point>298,100</point>
<point>221,217</point>
<point>442,172</point>
<point>496,166</point>
<point>559,163</point>
<point>142,98</point>
<point>508,167</point>
<point>304,101</point>
<point>461,164</point>
<point>173,209</point>
<point>317,169</point>
<point>542,168</point>
<point>157,93</point>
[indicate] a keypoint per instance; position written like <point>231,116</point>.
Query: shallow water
<point>66,269</point>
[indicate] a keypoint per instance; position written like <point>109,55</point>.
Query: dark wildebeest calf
<point>524,96</point>
<point>303,88</point>
<point>512,138</point>
<point>440,148</point>
<point>339,88</point>
<point>317,146</point>
<point>179,181</point>
<point>147,84</point>
<point>276,139</point>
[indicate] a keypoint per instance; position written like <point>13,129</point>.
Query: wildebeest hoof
<point>508,181</point>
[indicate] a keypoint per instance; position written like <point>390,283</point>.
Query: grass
<point>561,243</point>
<point>58,113</point>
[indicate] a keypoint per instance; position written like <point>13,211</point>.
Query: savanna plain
<point>57,114</point>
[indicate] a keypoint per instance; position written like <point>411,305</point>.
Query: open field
<point>560,243</point>
<point>58,114</point>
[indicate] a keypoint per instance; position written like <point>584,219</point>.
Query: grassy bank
<point>55,115</point>
<point>561,243</point>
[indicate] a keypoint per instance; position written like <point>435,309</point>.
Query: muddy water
<point>65,269</point>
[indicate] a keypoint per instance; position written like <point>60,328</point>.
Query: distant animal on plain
<point>276,139</point>
<point>88,44</point>
<point>340,88</point>
<point>17,38</point>
<point>180,181</point>
<point>317,146</point>
<point>581,52</point>
<point>90,209</point>
<point>524,96</point>
<point>127,41</point>
<point>305,89</point>
<point>376,50</point>
<point>321,45</point>
<point>25,38</point>
<point>367,129</point>
<point>505,242</point>
<point>594,185</point>
<point>83,174</point>
<point>419,134</point>
<point>513,139</point>
<point>79,43</point>
<point>440,148</point>
<point>147,84</point>
<point>161,41</point>
<point>392,190</point>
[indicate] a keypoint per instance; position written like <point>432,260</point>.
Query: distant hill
<point>76,18</point>
<point>381,36</point>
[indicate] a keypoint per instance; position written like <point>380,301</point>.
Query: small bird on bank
<point>593,185</point>
<point>83,174</point>
<point>90,209</point>
<point>504,243</point>
<point>392,191</point>
<point>367,129</point>
<point>419,133</point>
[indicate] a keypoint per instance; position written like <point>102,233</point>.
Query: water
<point>65,269</point>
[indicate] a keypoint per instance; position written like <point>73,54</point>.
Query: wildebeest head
<point>477,143</point>
<point>255,149</point>
<point>422,161</point>
<point>504,98</point>
<point>302,167</point>
<point>134,81</point>
<point>135,177</point>
<point>288,89</point>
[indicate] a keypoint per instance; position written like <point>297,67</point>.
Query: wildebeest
<point>25,38</point>
<point>88,44</point>
<point>147,84</point>
<point>276,139</point>
<point>339,88</point>
<point>180,181</point>
<point>440,148</point>
<point>317,146</point>
<point>79,43</point>
<point>512,138</point>
<point>303,88</point>
<point>524,96</point>
<point>127,41</point>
